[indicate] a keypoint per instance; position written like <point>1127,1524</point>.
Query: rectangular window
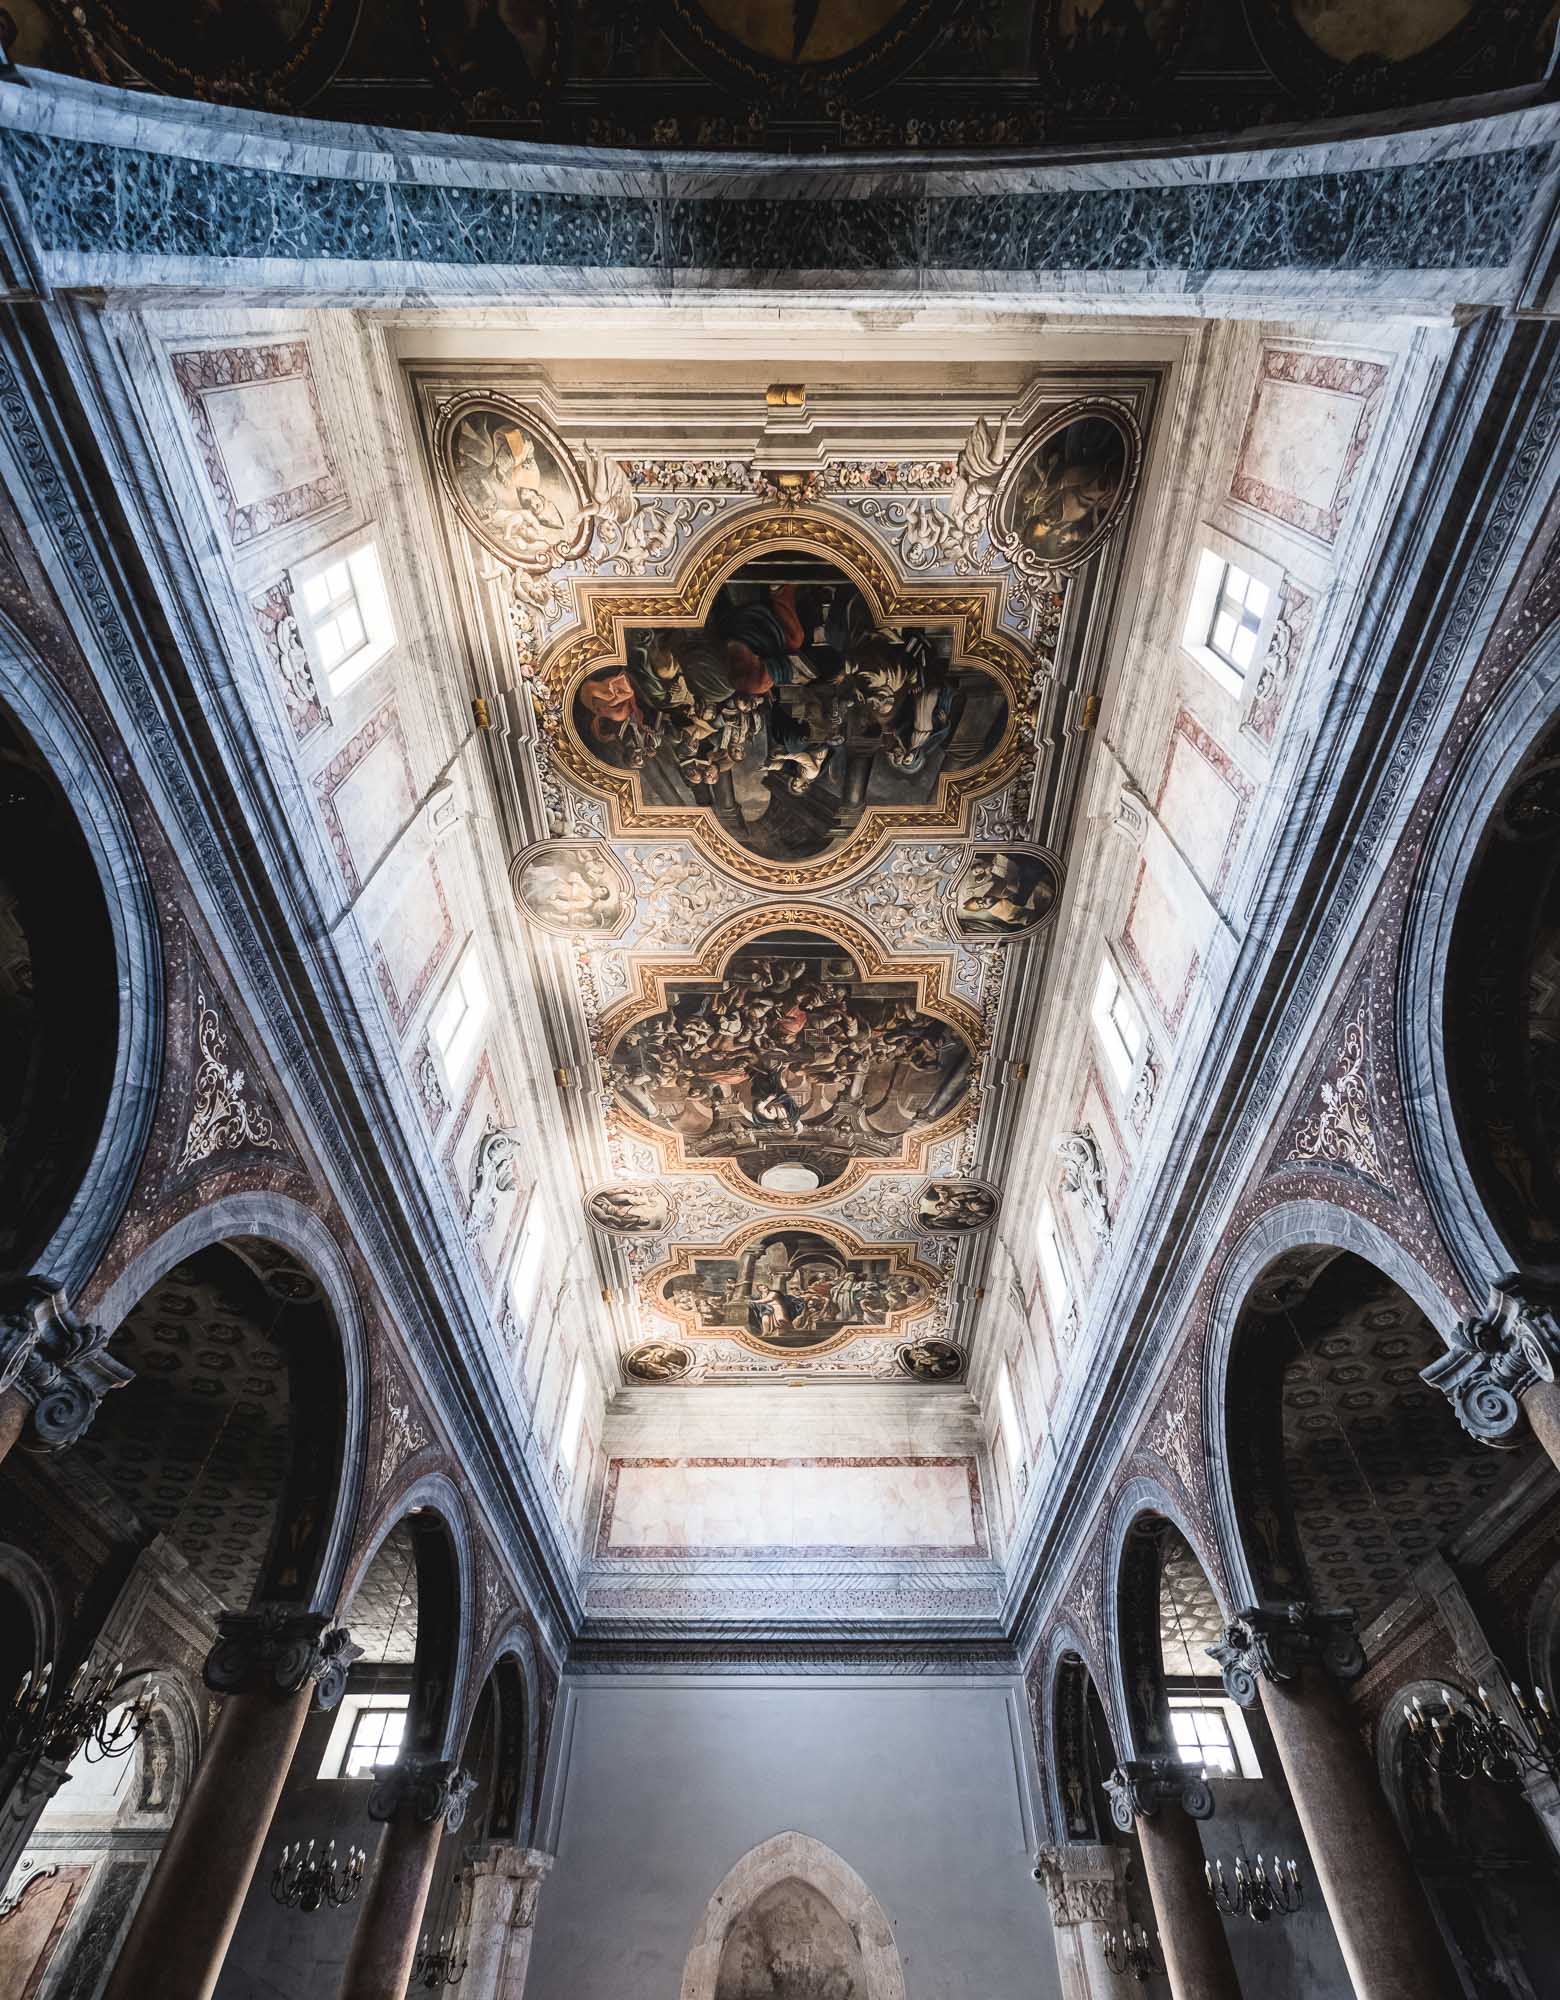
<point>344,609</point>
<point>527,1267</point>
<point>457,1020</point>
<point>367,1734</point>
<point>1053,1265</point>
<point>1211,1733</point>
<point>1239,607</point>
<point>573,1417</point>
<point>1007,1416</point>
<point>1118,1025</point>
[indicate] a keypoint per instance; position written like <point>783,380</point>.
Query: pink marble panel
<point>1158,942</point>
<point>1203,800</point>
<point>418,931</point>
<point>261,435</point>
<point>1306,435</point>
<point>367,794</point>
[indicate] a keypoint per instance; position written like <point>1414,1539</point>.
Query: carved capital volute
<point>277,1649</point>
<point>1275,1642</point>
<point>1496,1355</point>
<point>426,1788</point>
<point>1144,1786</point>
<point>58,1362</point>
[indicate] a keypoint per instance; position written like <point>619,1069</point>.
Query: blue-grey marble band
<point>87,197</point>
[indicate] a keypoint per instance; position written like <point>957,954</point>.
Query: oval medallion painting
<point>949,1208</point>
<point>657,1361</point>
<point>756,45</point>
<point>931,1360</point>
<point>572,889</point>
<point>1004,892</point>
<point>1066,487</point>
<point>512,481</point>
<point>630,1208</point>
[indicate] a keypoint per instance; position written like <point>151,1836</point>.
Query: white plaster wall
<point>658,1787</point>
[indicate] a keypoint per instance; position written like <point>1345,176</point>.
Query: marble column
<point>54,1369</point>
<point>26,1786</point>
<point>1166,1798</point>
<point>1500,1368</point>
<point>1083,1885</point>
<point>505,1885</point>
<point>1296,1660</point>
<point>416,1799</point>
<point>268,1664</point>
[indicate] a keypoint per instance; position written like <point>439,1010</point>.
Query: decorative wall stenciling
<point>953,1207</point>
<point>627,1209</point>
<point>224,1117</point>
<point>255,412</point>
<point>402,1432</point>
<point>1066,487</point>
<point>573,888</point>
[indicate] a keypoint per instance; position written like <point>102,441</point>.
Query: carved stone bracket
<point>1083,1883</point>
<point>429,1788</point>
<point>276,1650</point>
<point>58,1362</point>
<point>1143,1786</point>
<point>1494,1356</point>
<point>1275,1641</point>
<point>1083,1174</point>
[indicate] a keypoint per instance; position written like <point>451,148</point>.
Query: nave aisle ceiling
<point>794,726</point>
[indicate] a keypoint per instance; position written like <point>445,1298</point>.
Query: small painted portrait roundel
<point>658,1361</point>
<point>630,1208</point>
<point>572,888</point>
<point>512,481</point>
<point>1065,488</point>
<point>932,1360</point>
<point>1004,892</point>
<point>954,1208</point>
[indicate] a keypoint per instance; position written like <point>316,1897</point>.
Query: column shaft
<point>14,1412</point>
<point>1541,1403</point>
<point>390,1909</point>
<point>182,1929</point>
<point>1383,1924</point>
<point>1191,1931</point>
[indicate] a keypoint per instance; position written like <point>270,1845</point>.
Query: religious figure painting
<point>513,482</point>
<point>951,1208</point>
<point>1004,892</point>
<point>931,1360</point>
<point>1065,488</point>
<point>572,889</point>
<point>790,711</point>
<point>793,1289</point>
<point>630,1208</point>
<point>657,1361</point>
<point>790,1058</point>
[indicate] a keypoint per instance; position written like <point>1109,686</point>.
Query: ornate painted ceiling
<point>793,737</point>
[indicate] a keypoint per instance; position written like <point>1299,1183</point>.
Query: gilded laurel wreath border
<point>607,612</point>
<point>901,1255</point>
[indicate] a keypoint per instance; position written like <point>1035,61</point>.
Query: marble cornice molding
<point>1193,1213</point>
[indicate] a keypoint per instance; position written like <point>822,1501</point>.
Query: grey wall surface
<point>659,1787</point>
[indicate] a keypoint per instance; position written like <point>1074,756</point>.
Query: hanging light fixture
<point>1255,1893</point>
<point>303,1880</point>
<point>1129,1953</point>
<point>442,1953</point>
<point>1458,1738</point>
<point>85,1720</point>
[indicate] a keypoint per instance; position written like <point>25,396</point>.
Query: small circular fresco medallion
<point>932,1360</point>
<point>630,1208</point>
<point>1003,892</point>
<point>512,481</point>
<point>1067,486</point>
<point>658,1361</point>
<point>955,1207</point>
<point>572,888</point>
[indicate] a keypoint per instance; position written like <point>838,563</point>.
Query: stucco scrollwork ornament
<point>1083,1174</point>
<point>1494,1356</point>
<point>492,1175</point>
<point>1145,1091</point>
<point>1142,1786</point>
<point>222,1119</point>
<point>60,1364</point>
<point>1340,1130</point>
<point>430,1788</point>
<point>278,1649</point>
<point>1275,1641</point>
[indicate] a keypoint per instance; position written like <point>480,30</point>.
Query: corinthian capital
<point>1275,1641</point>
<point>277,1649</point>
<point>58,1362</point>
<point>1494,1356</point>
<point>429,1788</point>
<point>1144,1786</point>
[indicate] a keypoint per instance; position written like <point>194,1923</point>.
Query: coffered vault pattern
<point>796,732</point>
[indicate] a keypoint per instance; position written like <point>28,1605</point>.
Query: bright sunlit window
<point>1118,1024</point>
<point>457,1019</point>
<point>573,1417</point>
<point>1007,1416</point>
<point>344,608</point>
<point>1053,1265</point>
<point>1211,1733</point>
<point>1229,616</point>
<point>1238,611</point>
<point>527,1267</point>
<point>368,1732</point>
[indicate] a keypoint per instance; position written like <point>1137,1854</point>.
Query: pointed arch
<point>789,1857</point>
